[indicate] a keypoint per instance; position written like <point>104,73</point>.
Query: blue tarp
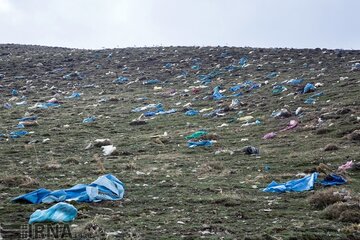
<point>106,187</point>
<point>303,184</point>
<point>60,212</point>
<point>333,179</point>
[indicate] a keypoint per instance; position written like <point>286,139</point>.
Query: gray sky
<point>128,23</point>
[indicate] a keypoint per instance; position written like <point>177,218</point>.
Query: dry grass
<point>345,212</point>
<point>19,181</point>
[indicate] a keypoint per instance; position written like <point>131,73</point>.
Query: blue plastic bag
<point>60,212</point>
<point>309,87</point>
<point>243,61</point>
<point>216,94</point>
<point>89,119</point>
<point>14,92</point>
<point>202,143</point>
<point>303,184</point>
<point>18,134</point>
<point>74,95</point>
<point>333,179</point>
<point>151,82</point>
<point>106,187</point>
<point>121,80</point>
<point>191,112</point>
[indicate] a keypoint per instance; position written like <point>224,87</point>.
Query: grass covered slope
<point>173,191</point>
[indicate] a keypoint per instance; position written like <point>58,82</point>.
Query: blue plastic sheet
<point>295,82</point>
<point>106,187</point>
<point>216,94</point>
<point>74,95</point>
<point>25,119</point>
<point>309,87</point>
<point>303,184</point>
<point>60,212</point>
<point>333,179</point>
<point>47,105</point>
<point>151,82</point>
<point>202,143</point>
<point>271,75</point>
<point>243,61</point>
<point>121,80</point>
<point>89,119</point>
<point>191,112</point>
<point>235,88</point>
<point>18,134</point>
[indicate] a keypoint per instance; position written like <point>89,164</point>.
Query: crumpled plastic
<point>191,112</point>
<point>151,82</point>
<point>106,187</point>
<point>333,179</point>
<point>292,124</point>
<point>269,135</point>
<point>121,80</point>
<point>18,134</point>
<point>196,135</point>
<point>309,87</point>
<point>89,119</point>
<point>202,143</point>
<point>216,94</point>
<point>74,95</point>
<point>346,166</point>
<point>298,185</point>
<point>60,212</point>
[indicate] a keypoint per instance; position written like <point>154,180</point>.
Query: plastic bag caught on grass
<point>298,185</point>
<point>89,119</point>
<point>191,112</point>
<point>106,187</point>
<point>202,143</point>
<point>196,135</point>
<point>60,212</point>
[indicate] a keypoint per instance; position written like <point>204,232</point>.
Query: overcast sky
<point>128,23</point>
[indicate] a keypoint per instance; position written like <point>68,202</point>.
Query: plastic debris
<point>121,80</point>
<point>202,143</point>
<point>89,119</point>
<point>309,87</point>
<point>250,150</point>
<point>216,93</point>
<point>106,187</point>
<point>151,82</point>
<point>74,95</point>
<point>348,165</point>
<point>60,212</point>
<point>292,124</point>
<point>269,135</point>
<point>18,134</point>
<point>108,150</point>
<point>299,185</point>
<point>333,179</point>
<point>191,112</point>
<point>196,135</point>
